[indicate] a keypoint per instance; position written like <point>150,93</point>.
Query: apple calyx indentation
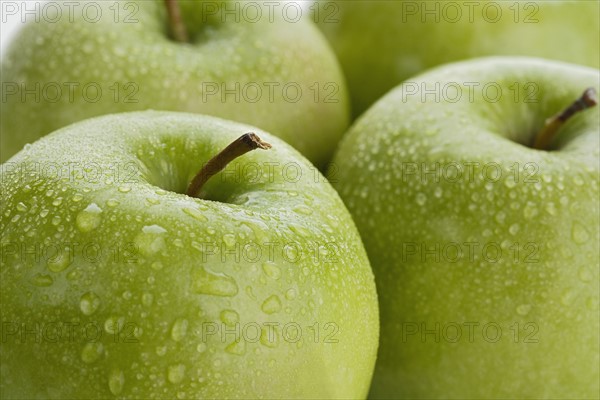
<point>242,145</point>
<point>588,99</point>
<point>178,29</point>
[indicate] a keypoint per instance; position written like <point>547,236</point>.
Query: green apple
<point>382,43</point>
<point>258,63</point>
<point>484,249</point>
<point>117,284</point>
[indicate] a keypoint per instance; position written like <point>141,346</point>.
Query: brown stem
<point>242,145</point>
<point>548,133</point>
<point>178,29</point>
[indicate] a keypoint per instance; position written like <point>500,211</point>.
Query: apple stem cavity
<point>587,100</point>
<point>242,145</point>
<point>178,29</point>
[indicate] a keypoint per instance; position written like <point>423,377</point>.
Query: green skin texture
<point>167,150</point>
<point>380,44</point>
<point>169,75</point>
<point>555,288</point>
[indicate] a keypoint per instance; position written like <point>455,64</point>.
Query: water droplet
<point>42,280</point>
<point>89,303</point>
<point>113,325</point>
<point>124,188</point>
<point>579,234</point>
<point>510,182</point>
<point>196,214</point>
<point>147,299</point>
<point>112,203</point>
<point>437,192</point>
<point>44,213</point>
<point>201,348</point>
<point>302,209</point>
<point>179,329</point>
<point>421,199</point>
<point>116,381</point>
<point>150,241</point>
<point>271,270</point>
<point>89,219</point>
<point>213,283</point>
<point>230,317</point>
<point>59,262</point>
<point>77,198</point>
<point>156,265</point>
<point>567,297</point>
<point>91,352</point>
<point>514,229</point>
<point>176,373</point>
<point>21,207</point>
<point>523,309</point>
<point>237,347</point>
<point>300,230</point>
<point>500,217</point>
<point>290,294</point>
<point>271,305</point>
<point>161,350</point>
<point>229,240</point>
<point>269,335</point>
<point>551,208</point>
<point>530,210</point>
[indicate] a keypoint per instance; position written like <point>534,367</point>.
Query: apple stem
<point>548,133</point>
<point>178,29</point>
<point>242,145</point>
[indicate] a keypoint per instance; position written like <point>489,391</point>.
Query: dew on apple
<point>567,297</point>
<point>523,309</point>
<point>113,324</point>
<point>530,210</point>
<point>150,241</point>
<point>152,201</point>
<point>201,347</point>
<point>579,233</point>
<point>513,229</point>
<point>229,240</point>
<point>116,381</point>
<point>212,283</point>
<point>179,329</point>
<point>271,270</point>
<point>229,317</point>
<point>237,347</point>
<point>160,350</point>
<point>21,207</point>
<point>42,280</point>
<point>550,208</point>
<point>269,336</point>
<point>91,352</point>
<point>302,209</point>
<point>89,219</point>
<point>271,305</point>
<point>291,294</point>
<point>147,299</point>
<point>59,262</point>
